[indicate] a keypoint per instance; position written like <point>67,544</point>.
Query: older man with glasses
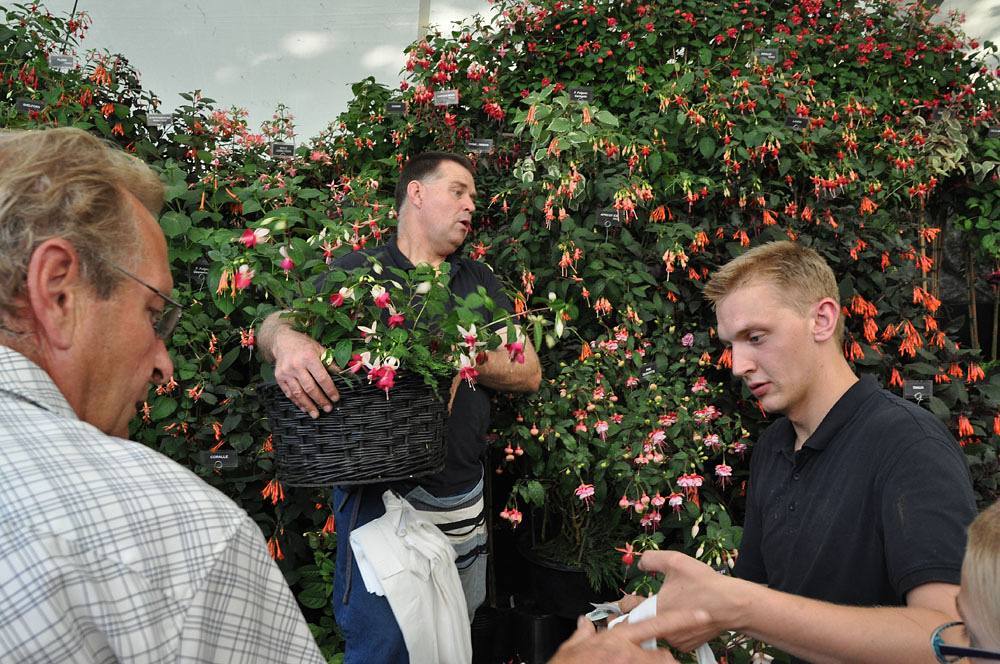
<point>108,550</point>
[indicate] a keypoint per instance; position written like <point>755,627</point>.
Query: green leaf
<point>706,146</point>
<point>162,407</point>
<point>606,117</point>
<point>174,224</point>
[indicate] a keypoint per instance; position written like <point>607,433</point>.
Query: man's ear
<point>415,193</point>
<point>53,291</point>
<point>826,313</point>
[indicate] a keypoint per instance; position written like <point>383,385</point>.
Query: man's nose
<point>742,362</point>
<point>163,366</point>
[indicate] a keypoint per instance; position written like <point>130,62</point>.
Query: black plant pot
<point>537,635</point>
<point>557,588</point>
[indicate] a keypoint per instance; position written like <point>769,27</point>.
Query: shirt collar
<point>26,380</point>
<point>403,263</point>
<point>842,412</point>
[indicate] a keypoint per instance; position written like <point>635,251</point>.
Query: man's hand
<point>617,646</point>
<point>300,373</point>
<point>695,603</point>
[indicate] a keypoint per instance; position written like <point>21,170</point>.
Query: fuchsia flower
<point>513,515</point>
<point>467,370</point>
<point>396,320</point>
<point>687,340</point>
<point>243,277</point>
<point>601,427</point>
<point>675,500</point>
<point>252,236</point>
<point>700,385</point>
<point>381,297</point>
<point>516,351</point>
<point>628,554</point>
<point>286,263</point>
<point>338,298</point>
<point>585,492</point>
<point>724,473</point>
<point>358,362</point>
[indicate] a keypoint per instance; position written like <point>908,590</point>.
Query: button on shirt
<point>874,504</point>
<point>112,552</point>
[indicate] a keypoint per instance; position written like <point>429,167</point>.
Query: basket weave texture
<point>365,439</point>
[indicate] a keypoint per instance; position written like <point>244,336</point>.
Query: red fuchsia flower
<point>381,297</point>
<point>513,515</point>
<point>338,298</point>
<point>358,362</point>
<point>467,370</point>
<point>700,385</point>
<point>657,500</point>
<point>252,236</point>
<point>712,440</point>
<point>687,340</point>
<point>601,428</point>
<point>396,320</point>
<point>657,436</point>
<point>724,473</point>
<point>676,501</point>
<point>368,332</point>
<point>286,263</point>
<point>631,381</point>
<point>668,420</point>
<point>617,418</point>
<point>628,554</point>
<point>247,339</point>
<point>516,351</point>
<point>243,277</point>
<point>625,503</point>
<point>470,336</point>
<point>651,520</point>
<point>585,492</point>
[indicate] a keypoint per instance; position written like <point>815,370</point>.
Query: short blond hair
<point>67,183</point>
<point>800,275</point>
<point>981,571</point>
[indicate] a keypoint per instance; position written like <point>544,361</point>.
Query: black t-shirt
<point>876,503</point>
<point>470,414</point>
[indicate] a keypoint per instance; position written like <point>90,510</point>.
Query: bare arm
<point>298,369</point>
<point>696,604</point>
<point>502,373</point>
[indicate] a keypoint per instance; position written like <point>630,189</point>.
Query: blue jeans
<point>371,633</point>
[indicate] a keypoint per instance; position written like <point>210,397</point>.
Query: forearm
<point>501,373</point>
<point>267,333</point>
<point>823,632</point>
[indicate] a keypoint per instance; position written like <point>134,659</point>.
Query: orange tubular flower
<point>726,359</point>
<point>585,351</point>
<point>965,427</point>
<point>975,373</point>
<point>895,380</point>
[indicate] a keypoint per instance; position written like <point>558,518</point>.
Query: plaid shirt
<point>111,552</point>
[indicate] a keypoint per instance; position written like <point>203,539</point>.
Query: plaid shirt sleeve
<point>245,611</point>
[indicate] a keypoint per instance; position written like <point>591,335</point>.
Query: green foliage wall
<point>861,129</point>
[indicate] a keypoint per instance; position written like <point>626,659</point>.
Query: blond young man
<point>109,551</point>
<point>977,637</point>
<point>857,501</point>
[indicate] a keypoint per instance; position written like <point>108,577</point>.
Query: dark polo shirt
<point>470,415</point>
<point>876,503</point>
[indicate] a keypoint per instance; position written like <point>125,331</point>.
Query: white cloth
<point>111,552</point>
<point>645,611</point>
<point>405,557</point>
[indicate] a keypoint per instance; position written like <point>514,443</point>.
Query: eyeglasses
<point>946,653</point>
<point>167,319</point>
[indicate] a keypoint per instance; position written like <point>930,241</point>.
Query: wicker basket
<point>365,439</point>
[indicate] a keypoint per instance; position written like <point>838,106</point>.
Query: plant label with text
<point>220,460</point>
<point>62,62</point>
<point>446,97</point>
<point>918,390</point>
<point>480,145</point>
<point>581,94</point>
<point>161,120</point>
<point>282,150</point>
<point>29,105</point>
